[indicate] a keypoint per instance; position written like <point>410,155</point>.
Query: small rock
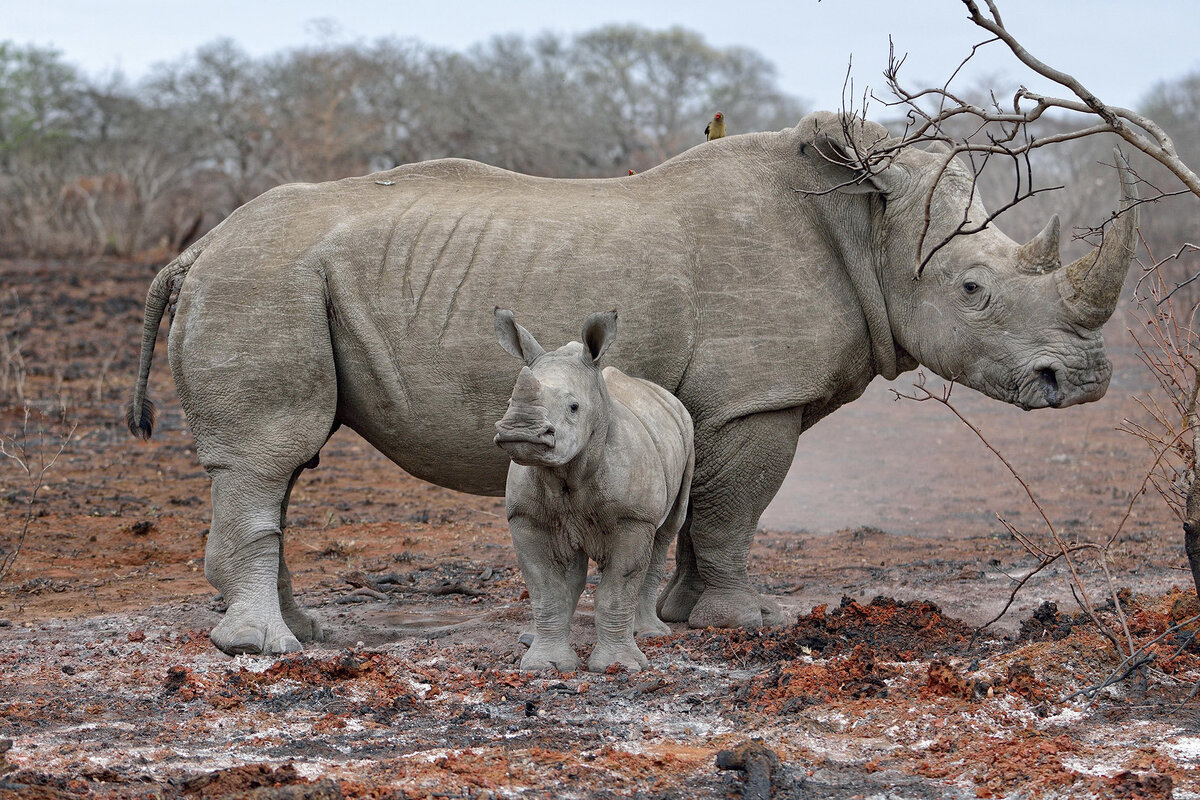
<point>5,623</point>
<point>136,636</point>
<point>68,669</point>
<point>141,527</point>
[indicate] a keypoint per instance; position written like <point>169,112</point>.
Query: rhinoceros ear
<point>598,333</point>
<point>513,338</point>
<point>843,151</point>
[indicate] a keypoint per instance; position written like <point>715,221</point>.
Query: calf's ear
<point>598,333</point>
<point>517,341</point>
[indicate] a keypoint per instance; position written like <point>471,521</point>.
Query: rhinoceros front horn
<point>527,389</point>
<point>1094,282</point>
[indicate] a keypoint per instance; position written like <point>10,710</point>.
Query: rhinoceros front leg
<point>628,554</point>
<point>739,468</point>
<point>576,573</point>
<point>547,575</point>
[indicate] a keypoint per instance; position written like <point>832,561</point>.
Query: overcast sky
<point>1118,48</point>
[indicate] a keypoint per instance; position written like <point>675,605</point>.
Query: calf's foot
<point>647,623</point>
<point>626,654</point>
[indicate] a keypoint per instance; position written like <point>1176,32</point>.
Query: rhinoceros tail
<point>139,416</point>
<point>141,423</point>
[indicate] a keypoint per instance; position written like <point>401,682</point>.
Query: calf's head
<point>559,402</point>
<point>1007,319</point>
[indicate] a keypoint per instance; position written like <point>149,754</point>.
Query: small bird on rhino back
<point>716,128</point>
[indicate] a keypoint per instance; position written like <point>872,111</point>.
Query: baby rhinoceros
<point>602,467</point>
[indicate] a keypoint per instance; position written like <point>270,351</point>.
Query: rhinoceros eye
<point>970,287</point>
<point>574,407</point>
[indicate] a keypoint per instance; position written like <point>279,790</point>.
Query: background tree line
<point>93,165</point>
<point>101,165</point>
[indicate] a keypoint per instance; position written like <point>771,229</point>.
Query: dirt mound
<point>894,630</point>
<point>1047,622</point>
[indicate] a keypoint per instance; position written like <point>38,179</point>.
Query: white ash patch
<point>1185,748</point>
<point>1078,764</point>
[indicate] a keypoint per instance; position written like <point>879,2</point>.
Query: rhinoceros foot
<point>727,608</point>
<point>244,632</point>
<point>678,599</point>
<point>647,623</point>
<point>304,626</point>
<point>626,654</point>
<point>558,656</point>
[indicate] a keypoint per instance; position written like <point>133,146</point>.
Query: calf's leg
<point>645,620</point>
<point>551,593</point>
<point>624,569</point>
<point>576,581</point>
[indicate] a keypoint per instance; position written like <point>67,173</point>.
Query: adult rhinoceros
<point>763,279</point>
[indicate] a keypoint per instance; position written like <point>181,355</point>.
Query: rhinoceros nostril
<point>1048,383</point>
<point>549,431</point>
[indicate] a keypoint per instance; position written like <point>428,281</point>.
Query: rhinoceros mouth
<point>524,437</point>
<point>525,444</point>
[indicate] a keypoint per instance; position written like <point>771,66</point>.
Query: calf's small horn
<point>1093,282</point>
<point>527,389</point>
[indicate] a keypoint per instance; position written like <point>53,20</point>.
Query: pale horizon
<point>1118,53</point>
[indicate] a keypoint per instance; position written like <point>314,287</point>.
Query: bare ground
<point>110,688</point>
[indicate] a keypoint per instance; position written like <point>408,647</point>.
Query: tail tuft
<point>141,425</point>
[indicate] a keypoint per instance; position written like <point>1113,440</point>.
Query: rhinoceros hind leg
<point>242,559</point>
<point>646,621</point>
<point>303,625</point>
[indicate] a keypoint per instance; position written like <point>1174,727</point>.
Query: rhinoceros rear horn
<point>1040,254</point>
<point>1095,280</point>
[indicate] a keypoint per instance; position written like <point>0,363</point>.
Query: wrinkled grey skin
<point>602,463</point>
<point>763,279</point>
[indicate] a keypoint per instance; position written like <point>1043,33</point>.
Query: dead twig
<point>1135,660</point>
<point>1078,590</point>
<point>759,764</point>
<point>456,588</point>
<point>18,450</point>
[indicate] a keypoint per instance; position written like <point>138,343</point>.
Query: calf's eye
<point>574,407</point>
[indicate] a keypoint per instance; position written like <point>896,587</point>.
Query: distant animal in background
<point>716,128</point>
